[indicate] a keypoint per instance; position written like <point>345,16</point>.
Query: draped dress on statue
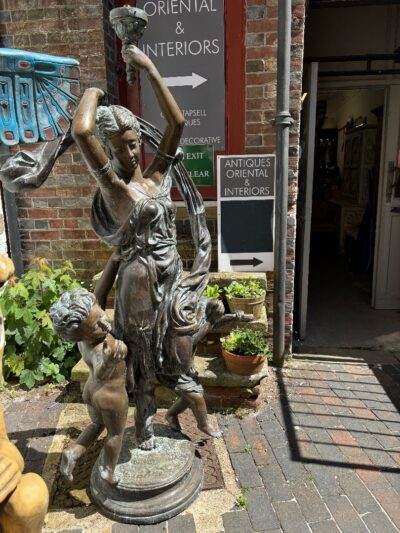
<point>155,303</point>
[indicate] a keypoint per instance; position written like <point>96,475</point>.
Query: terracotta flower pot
<point>252,306</point>
<point>244,365</point>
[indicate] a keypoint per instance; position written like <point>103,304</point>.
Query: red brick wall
<point>261,48</point>
<point>54,220</point>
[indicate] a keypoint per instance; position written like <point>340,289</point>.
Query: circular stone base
<point>154,485</point>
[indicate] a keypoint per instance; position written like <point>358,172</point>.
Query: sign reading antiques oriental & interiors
<point>246,196</point>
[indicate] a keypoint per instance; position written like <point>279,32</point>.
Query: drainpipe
<point>282,122</point>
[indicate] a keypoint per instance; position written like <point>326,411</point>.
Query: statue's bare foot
<point>108,476</point>
<point>209,431</point>
<point>146,444</point>
<point>173,422</point>
<point>68,462</point>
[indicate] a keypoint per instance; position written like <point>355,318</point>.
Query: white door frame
<point>305,227</point>
<point>390,146</point>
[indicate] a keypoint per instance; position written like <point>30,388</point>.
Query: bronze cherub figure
<point>76,316</point>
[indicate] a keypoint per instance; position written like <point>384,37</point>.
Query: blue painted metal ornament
<point>38,94</point>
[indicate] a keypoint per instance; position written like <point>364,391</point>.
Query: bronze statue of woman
<point>159,314</point>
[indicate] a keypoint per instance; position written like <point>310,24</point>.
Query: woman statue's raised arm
<point>83,129</point>
<point>175,120</point>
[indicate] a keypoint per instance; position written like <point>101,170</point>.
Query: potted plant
<point>245,351</point>
<point>247,296</point>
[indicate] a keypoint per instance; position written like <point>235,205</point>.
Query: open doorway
<point>348,223</point>
<point>345,191</point>
<point>345,188</point>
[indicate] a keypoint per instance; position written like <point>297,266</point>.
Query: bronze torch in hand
<point>129,24</point>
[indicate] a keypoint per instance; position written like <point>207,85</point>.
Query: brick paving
<point>31,422</point>
<point>323,455</point>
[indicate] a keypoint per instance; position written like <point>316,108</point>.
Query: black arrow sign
<point>241,262</point>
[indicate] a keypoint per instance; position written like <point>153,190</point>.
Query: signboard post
<point>185,39</point>
<point>246,194</point>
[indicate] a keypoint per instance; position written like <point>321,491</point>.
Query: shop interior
<point>348,139</point>
<point>346,175</point>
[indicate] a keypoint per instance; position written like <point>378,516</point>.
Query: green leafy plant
<point>33,351</point>
<point>245,289</point>
<point>244,341</point>
<point>212,291</point>
<point>242,412</point>
<point>242,501</point>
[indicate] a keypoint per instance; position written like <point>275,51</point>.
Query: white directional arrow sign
<point>181,81</point>
<point>188,38</point>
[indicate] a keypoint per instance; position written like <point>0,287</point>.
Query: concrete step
<point>222,388</point>
<point>223,279</point>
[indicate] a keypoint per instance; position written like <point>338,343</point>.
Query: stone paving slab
<point>321,456</point>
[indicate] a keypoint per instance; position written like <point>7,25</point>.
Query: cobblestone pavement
<point>322,455</point>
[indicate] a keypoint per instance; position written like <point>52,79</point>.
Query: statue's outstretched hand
<point>10,475</point>
<point>132,55</point>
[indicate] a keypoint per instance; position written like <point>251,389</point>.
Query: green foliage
<point>212,291</point>
<point>228,411</point>
<point>242,501</point>
<point>246,289</point>
<point>33,351</point>
<point>244,341</point>
<point>242,412</point>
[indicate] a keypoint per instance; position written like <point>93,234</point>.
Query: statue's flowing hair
<point>69,311</point>
<point>114,119</point>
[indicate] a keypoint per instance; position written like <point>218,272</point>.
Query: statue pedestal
<point>154,485</point>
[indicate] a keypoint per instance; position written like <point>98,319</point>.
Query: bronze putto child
<point>77,316</point>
